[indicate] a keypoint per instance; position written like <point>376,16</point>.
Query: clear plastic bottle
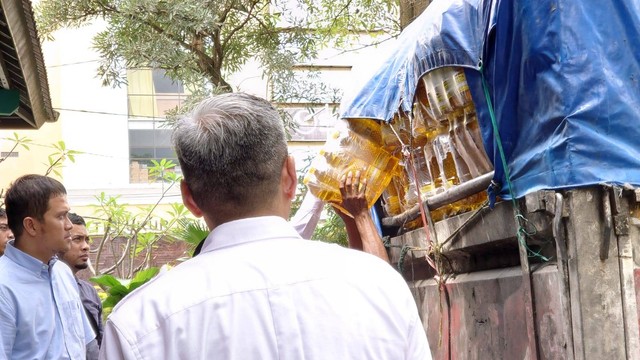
<point>438,85</point>
<point>420,182</point>
<point>367,128</point>
<point>442,149</point>
<point>346,150</point>
<point>391,199</point>
<point>460,142</point>
<point>424,109</point>
<point>433,167</point>
<point>474,140</point>
<point>390,141</point>
<point>462,92</point>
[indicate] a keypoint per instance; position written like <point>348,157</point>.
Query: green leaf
<point>105,280</point>
<point>118,290</point>
<point>111,301</point>
<point>145,275</point>
<point>190,231</point>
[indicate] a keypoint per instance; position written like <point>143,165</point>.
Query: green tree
<point>202,42</point>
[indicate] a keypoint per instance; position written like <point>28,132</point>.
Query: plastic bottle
<point>346,150</point>
<point>390,141</point>
<point>461,142</point>
<point>433,167</point>
<point>474,140</point>
<point>438,85</point>
<point>444,156</point>
<point>462,92</point>
<point>420,181</point>
<point>391,199</point>
<point>367,128</point>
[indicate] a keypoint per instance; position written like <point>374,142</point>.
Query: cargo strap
<point>521,233</point>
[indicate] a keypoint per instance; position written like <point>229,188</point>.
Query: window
<point>150,95</point>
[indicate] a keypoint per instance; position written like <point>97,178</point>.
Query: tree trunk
<point>411,9</point>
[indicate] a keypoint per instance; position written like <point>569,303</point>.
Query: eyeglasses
<point>4,227</point>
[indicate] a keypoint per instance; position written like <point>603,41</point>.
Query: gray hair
<point>231,149</point>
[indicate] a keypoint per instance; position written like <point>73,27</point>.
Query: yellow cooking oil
<point>474,140</point>
<point>346,150</point>
<point>367,128</point>
<point>461,86</point>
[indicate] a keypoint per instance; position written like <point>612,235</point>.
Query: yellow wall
<point>32,161</point>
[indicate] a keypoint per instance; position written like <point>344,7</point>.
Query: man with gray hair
<point>258,290</point>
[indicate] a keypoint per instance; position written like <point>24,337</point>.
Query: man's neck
<point>27,247</point>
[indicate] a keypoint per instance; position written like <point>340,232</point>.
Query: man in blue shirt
<point>41,315</point>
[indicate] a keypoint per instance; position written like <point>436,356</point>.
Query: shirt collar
<point>27,261</point>
<point>248,230</point>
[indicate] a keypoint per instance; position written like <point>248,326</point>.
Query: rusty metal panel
<point>486,316</point>
<point>636,278</point>
<point>596,303</point>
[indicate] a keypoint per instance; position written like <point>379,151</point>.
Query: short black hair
<point>29,196</point>
<point>76,219</point>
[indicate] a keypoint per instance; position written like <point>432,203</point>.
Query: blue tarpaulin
<point>563,77</point>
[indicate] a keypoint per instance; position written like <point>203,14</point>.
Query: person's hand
<point>353,189</point>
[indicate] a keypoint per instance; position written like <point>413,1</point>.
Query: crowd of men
<point>256,290</point>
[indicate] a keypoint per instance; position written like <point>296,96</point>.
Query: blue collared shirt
<point>41,315</point>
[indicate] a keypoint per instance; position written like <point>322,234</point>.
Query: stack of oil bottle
<point>442,136</point>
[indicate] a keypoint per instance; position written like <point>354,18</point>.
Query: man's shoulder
<point>85,285</point>
<point>11,272</point>
<point>63,271</point>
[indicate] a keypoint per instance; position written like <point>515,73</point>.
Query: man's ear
<point>289,178</point>
<point>188,201</point>
<point>31,226</point>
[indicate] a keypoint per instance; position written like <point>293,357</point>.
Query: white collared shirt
<point>258,291</point>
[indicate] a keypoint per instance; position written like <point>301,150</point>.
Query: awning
<point>22,71</point>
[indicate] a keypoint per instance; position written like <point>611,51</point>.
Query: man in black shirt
<point>78,259</point>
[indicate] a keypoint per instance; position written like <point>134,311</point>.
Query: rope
<point>522,232</point>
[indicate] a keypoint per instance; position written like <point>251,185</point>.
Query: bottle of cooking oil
<point>318,183</point>
<point>391,203</point>
<point>346,150</point>
<point>474,140</point>
<point>390,142</point>
<point>465,165</point>
<point>437,86</point>
<point>444,156</point>
<point>432,166</point>
<point>460,142</point>
<point>418,128</point>
<point>420,181</point>
<point>367,128</point>
<point>425,125</point>
<point>423,106</point>
<point>402,127</point>
<point>461,87</point>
